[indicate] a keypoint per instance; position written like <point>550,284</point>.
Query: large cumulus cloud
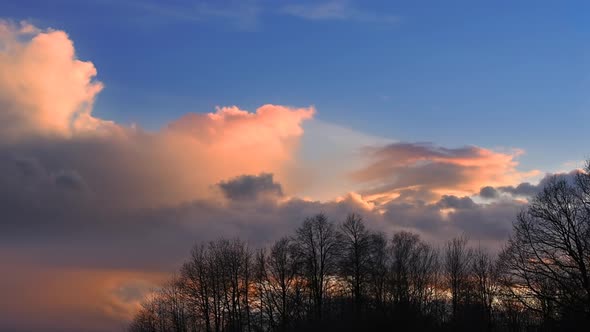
<point>46,97</point>
<point>44,89</point>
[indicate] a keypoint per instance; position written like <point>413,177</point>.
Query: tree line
<point>342,276</point>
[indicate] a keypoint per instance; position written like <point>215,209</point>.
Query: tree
<point>458,258</point>
<point>197,286</point>
<point>317,245</point>
<point>546,262</point>
<point>283,270</point>
<point>413,270</point>
<point>485,274</point>
<point>146,320</point>
<point>355,256</point>
<point>378,269</point>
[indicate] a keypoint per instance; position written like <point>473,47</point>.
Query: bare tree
<point>413,269</point>
<point>485,272</point>
<point>265,303</point>
<point>547,260</point>
<point>317,245</point>
<point>403,245</point>
<point>355,259</point>
<point>146,320</point>
<point>197,287</point>
<point>283,269</point>
<point>458,258</point>
<point>173,301</point>
<point>378,269</point>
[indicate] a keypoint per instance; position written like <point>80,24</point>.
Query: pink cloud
<point>47,95</point>
<point>44,88</point>
<point>431,171</point>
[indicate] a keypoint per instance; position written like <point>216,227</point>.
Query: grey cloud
<point>488,192</point>
<point>69,180</point>
<point>336,10</point>
<point>59,200</point>
<point>454,202</point>
<point>527,189</point>
<point>523,189</point>
<point>487,223</point>
<point>251,187</point>
<point>29,167</point>
<point>77,230</point>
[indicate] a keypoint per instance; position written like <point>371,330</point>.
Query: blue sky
<point>511,74</point>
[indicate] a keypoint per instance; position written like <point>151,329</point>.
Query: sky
<point>130,130</point>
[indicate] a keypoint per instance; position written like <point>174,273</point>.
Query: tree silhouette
<point>344,276</point>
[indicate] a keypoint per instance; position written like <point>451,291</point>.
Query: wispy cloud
<point>249,14</point>
<point>343,10</point>
<point>243,14</point>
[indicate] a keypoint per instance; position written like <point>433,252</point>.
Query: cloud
<point>331,10</point>
<point>488,192</point>
<point>429,171</point>
<point>46,97</point>
<point>454,202</point>
<point>51,146</point>
<point>528,190</point>
<point>44,89</point>
<point>243,14</point>
<point>336,10</point>
<point>134,168</point>
<point>70,180</point>
<point>488,224</point>
<point>250,14</point>
<point>327,155</point>
<point>523,189</point>
<point>251,187</point>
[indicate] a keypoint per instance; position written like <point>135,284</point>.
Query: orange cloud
<point>44,88</point>
<point>426,171</point>
<point>233,142</point>
<point>47,95</point>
